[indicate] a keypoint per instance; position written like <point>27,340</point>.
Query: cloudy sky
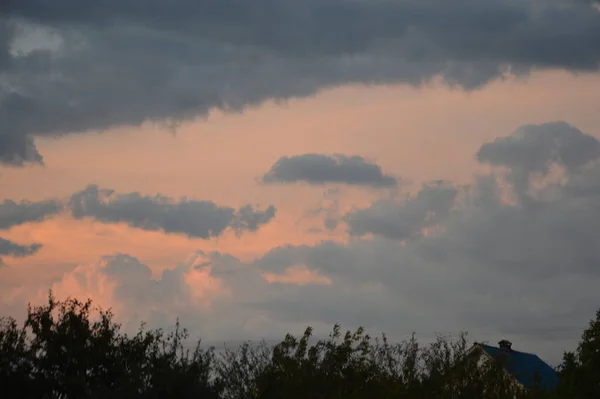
<point>255,167</point>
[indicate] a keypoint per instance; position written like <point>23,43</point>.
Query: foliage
<point>69,350</point>
<point>60,352</point>
<point>580,370</point>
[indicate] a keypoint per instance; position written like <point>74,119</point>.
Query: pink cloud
<point>298,275</point>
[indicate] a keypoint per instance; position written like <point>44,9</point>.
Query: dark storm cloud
<point>6,36</point>
<point>198,219</point>
<point>325,27</point>
<point>322,169</point>
<point>125,62</point>
<point>15,213</point>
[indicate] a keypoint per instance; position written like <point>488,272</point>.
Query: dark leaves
<point>71,349</point>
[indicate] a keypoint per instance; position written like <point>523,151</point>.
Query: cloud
<point>213,294</point>
<point>196,219</point>
<point>388,218</point>
<point>9,248</point>
<point>16,213</point>
<point>6,36</point>
<point>526,270</point>
<point>299,275</point>
<point>123,283</point>
<point>16,149</point>
<point>249,219</point>
<point>534,149</point>
<point>321,169</point>
<point>127,62</point>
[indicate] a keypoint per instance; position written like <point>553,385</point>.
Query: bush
<point>70,350</point>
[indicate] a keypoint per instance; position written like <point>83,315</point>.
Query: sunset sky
<point>255,167</point>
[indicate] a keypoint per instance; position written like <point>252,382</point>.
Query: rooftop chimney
<point>505,345</point>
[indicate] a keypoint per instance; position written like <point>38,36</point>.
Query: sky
<point>253,168</point>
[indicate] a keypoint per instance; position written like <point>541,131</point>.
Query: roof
<point>524,367</point>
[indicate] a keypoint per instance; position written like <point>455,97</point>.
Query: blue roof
<point>525,367</point>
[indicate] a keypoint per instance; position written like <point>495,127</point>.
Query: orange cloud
<point>418,134</point>
<point>298,275</point>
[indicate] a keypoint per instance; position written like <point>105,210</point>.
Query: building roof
<point>524,367</point>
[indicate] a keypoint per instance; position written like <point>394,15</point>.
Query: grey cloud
<point>326,27</point>
<point>322,169</point>
<point>584,186</point>
<point>535,148</point>
<point>15,149</point>
<point>200,219</point>
<point>362,305</point>
<point>249,219</point>
<point>6,37</point>
<point>199,288</point>
<point>492,275</point>
<point>9,248</point>
<point>128,284</point>
<point>328,207</point>
<point>15,213</point>
<point>528,270</point>
<point>330,223</point>
<point>135,285</point>
<point>128,62</point>
<point>388,218</point>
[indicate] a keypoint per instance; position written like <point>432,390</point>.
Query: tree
<point>70,349</point>
<point>580,371</point>
<point>63,352</point>
<point>340,367</point>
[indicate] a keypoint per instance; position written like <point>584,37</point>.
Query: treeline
<point>68,349</point>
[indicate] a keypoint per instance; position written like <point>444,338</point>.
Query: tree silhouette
<point>61,352</point>
<point>580,370</point>
<point>70,349</point>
